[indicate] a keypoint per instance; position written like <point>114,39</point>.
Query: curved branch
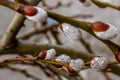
<point>104,4</point>
<point>23,48</point>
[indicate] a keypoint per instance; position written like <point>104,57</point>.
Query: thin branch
<point>24,48</point>
<point>38,31</point>
<point>56,70</point>
<point>63,73</point>
<point>45,69</point>
<point>12,30</point>
<point>28,2</point>
<point>106,76</point>
<point>24,72</point>
<point>55,35</point>
<point>27,59</point>
<point>104,4</point>
<point>32,48</point>
<point>10,4</point>
<point>86,45</point>
<point>70,77</point>
<point>59,4</point>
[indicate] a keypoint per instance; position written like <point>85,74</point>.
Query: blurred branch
<point>25,59</point>
<point>24,48</point>
<point>38,31</point>
<point>59,4</point>
<point>55,35</point>
<point>104,4</point>
<point>56,70</point>
<point>63,73</point>
<point>24,72</point>
<point>106,76</point>
<point>28,2</point>
<point>84,16</point>
<point>86,45</point>
<point>10,4</point>
<point>52,68</point>
<point>48,71</point>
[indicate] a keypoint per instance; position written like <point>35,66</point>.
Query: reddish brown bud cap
<point>117,56</point>
<point>30,11</point>
<point>71,70</point>
<point>99,26</point>
<point>42,54</point>
<point>82,1</point>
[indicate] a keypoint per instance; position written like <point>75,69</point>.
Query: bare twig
<point>27,35</point>
<point>14,27</point>
<point>10,4</point>
<point>86,45</point>
<point>104,4</point>
<point>59,4</point>
<point>24,72</point>
<point>55,35</point>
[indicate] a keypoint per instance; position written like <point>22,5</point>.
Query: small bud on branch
<point>99,63</point>
<point>70,31</point>
<point>104,31</point>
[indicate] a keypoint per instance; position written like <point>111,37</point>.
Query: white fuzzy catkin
<point>63,58</point>
<point>77,64</point>
<point>99,63</point>
<point>41,15</point>
<point>110,33</point>
<point>71,32</point>
<point>50,54</point>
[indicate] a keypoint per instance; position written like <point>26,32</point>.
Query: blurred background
<point>72,8</point>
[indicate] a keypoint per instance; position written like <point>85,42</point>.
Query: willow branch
<point>86,45</point>
<point>86,26</point>
<point>32,48</point>
<point>54,69</point>
<point>104,4</point>
<point>34,32</point>
<point>55,35</point>
<point>24,72</point>
<point>10,4</point>
<point>26,59</point>
<point>24,48</point>
<point>15,25</point>
<point>12,30</point>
